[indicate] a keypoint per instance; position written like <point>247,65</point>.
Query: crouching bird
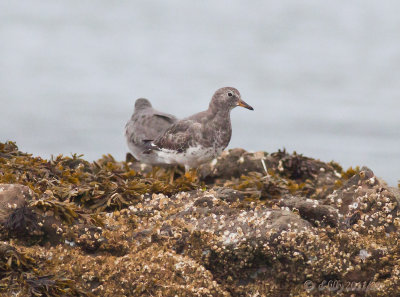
<point>199,138</point>
<point>146,124</point>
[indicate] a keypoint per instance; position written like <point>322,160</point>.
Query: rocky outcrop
<point>12,197</point>
<point>249,224</point>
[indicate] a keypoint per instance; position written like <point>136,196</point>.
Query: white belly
<point>192,157</point>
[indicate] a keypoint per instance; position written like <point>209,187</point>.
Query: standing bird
<point>145,125</point>
<point>200,137</point>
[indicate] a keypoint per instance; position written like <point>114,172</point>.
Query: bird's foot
<point>191,175</point>
<point>154,170</point>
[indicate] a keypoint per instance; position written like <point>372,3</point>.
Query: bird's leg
<point>196,176</point>
<point>153,171</point>
<point>187,171</point>
<point>172,175</point>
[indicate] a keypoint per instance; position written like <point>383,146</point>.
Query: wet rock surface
<point>248,224</point>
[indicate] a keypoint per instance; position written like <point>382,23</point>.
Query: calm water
<point>323,77</point>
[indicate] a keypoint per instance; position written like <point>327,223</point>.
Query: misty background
<point>323,77</point>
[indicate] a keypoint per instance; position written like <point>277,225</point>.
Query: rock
<point>366,203</point>
<point>232,163</point>
<point>229,195</point>
<point>12,197</point>
<point>311,210</point>
<point>237,162</point>
<point>16,218</point>
<point>255,224</point>
<point>217,232</point>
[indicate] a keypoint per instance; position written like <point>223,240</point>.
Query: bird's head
<point>142,103</point>
<point>226,99</point>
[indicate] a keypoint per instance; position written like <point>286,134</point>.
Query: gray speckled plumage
<point>145,125</point>
<point>200,137</point>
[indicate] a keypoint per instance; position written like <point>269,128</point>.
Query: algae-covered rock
<point>248,224</point>
<point>13,196</point>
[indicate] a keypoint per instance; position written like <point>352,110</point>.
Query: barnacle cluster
<point>250,224</point>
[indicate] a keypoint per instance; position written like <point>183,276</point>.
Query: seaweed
<point>22,222</point>
<point>12,266</point>
<point>63,210</point>
<point>350,172</point>
<point>110,227</point>
<point>13,261</point>
<point>102,185</point>
<point>18,272</point>
<point>52,286</point>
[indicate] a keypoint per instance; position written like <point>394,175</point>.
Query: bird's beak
<point>244,104</point>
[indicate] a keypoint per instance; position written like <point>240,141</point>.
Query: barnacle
<point>109,228</point>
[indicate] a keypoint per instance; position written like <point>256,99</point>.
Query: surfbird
<point>200,137</point>
<point>145,125</point>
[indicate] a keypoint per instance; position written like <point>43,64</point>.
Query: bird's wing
<point>179,137</point>
<point>165,116</point>
<point>147,124</point>
<point>133,132</point>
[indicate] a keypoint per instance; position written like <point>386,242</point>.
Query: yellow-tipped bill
<point>244,104</point>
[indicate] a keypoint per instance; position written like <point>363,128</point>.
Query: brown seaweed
<point>21,222</point>
<point>108,228</point>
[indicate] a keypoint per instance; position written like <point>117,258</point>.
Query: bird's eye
<point>230,94</point>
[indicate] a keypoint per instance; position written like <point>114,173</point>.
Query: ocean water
<point>323,77</point>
